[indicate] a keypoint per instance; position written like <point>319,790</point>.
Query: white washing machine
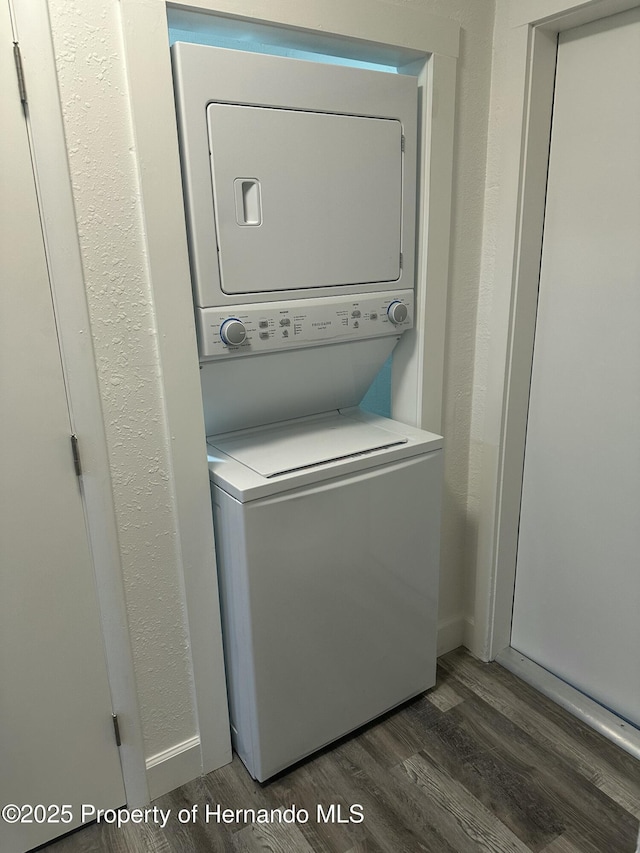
<point>327,531</point>
<point>299,184</point>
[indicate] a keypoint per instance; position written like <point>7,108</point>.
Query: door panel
<point>56,736</point>
<point>304,199</point>
<point>577,593</point>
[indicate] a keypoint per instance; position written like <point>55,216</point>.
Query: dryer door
<point>299,177</point>
<point>304,199</point>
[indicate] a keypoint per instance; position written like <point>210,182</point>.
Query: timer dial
<point>233,332</point>
<point>397,312</point>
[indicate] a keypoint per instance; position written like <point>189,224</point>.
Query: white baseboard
<point>174,767</point>
<point>451,634</point>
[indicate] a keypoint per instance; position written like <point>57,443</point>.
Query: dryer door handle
<point>248,201</point>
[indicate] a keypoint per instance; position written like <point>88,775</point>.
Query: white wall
<point>475,18</point>
<point>105,186</point>
<point>104,170</point>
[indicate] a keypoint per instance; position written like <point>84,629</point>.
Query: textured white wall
<point>106,190</point>
<point>476,19</point>
<point>94,98</point>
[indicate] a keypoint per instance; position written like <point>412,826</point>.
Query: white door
<point>57,743</point>
<point>577,599</point>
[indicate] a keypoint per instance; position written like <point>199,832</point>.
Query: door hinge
<point>400,260</point>
<point>116,729</point>
<point>75,450</point>
<point>17,56</point>
<point>402,143</point>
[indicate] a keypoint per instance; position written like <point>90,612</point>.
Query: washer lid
<point>273,451</point>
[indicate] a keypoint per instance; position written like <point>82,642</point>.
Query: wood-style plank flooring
<point>480,763</point>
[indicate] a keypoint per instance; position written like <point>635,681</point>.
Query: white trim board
<point>418,359</point>
<point>560,15</point>
<point>173,767</point>
<point>525,91</point>
<point>418,400</point>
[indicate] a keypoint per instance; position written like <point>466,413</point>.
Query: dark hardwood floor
<point>480,763</point>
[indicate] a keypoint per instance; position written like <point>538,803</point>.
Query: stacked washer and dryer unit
<point>300,188</point>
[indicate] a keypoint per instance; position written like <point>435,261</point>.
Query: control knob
<point>397,312</point>
<point>233,332</point>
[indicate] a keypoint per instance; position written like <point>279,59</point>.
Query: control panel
<point>230,332</point>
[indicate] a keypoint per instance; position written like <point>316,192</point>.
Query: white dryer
<point>300,190</point>
<point>327,531</point>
